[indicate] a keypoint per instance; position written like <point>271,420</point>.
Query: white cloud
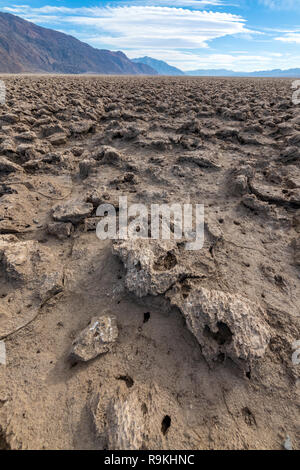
<point>243,62</point>
<point>280,4</point>
<point>180,36</point>
<point>143,26</point>
<point>177,58</point>
<point>290,37</point>
<point>237,61</point>
<point>186,3</point>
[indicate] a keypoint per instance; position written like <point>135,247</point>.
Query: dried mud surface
<point>203,358</point>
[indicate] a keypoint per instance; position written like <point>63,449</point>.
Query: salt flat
<point>203,357</point>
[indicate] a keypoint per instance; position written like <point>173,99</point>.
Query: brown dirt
<point>232,144</point>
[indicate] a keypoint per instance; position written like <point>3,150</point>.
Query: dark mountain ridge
<point>26,47</point>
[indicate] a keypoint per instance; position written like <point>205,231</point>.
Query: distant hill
<point>26,47</point>
<point>292,73</point>
<point>161,67</point>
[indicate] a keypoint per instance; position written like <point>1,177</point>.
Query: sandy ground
<point>204,363</point>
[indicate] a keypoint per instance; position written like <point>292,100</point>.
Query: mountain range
<point>26,47</point>
<point>161,67</point>
<point>292,73</point>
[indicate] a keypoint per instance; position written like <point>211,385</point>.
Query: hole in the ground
<point>222,336</point>
<point>138,266</point>
<point>4,445</point>
<point>144,409</point>
<point>221,357</point>
<point>165,263</point>
<point>73,363</point>
<point>146,317</point>
<point>165,424</point>
<point>180,245</point>
<point>249,417</point>
<point>128,380</point>
<point>279,280</point>
<point>185,289</point>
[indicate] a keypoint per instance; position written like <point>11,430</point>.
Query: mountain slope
<point>159,65</point>
<point>229,73</point>
<point>26,47</point>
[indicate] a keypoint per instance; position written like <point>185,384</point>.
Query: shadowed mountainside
<point>26,47</point>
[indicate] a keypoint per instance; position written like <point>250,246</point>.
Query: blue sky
<point>242,35</point>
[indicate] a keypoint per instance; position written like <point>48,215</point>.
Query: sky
<point>240,35</point>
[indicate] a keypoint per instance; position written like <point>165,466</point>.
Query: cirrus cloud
<point>292,37</point>
<point>127,27</point>
<point>280,4</point>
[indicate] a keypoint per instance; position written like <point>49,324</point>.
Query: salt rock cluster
<point>135,417</point>
<point>151,267</point>
<point>96,339</point>
<point>225,324</point>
